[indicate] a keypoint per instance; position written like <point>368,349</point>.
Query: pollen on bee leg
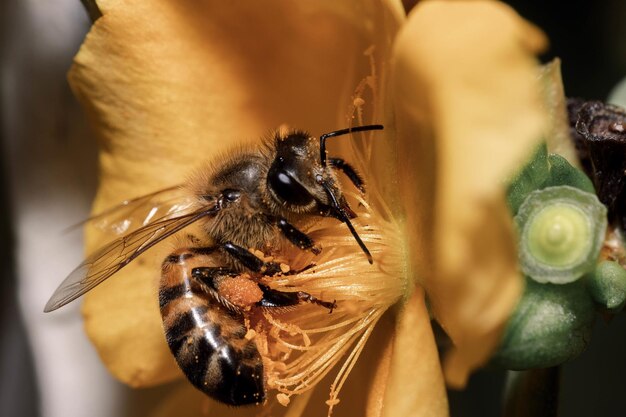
<point>240,291</point>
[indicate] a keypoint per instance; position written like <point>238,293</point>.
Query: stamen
<point>305,344</point>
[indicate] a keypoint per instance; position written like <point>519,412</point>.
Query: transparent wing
<point>132,214</point>
<point>119,253</point>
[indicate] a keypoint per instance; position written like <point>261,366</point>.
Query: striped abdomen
<point>207,338</point>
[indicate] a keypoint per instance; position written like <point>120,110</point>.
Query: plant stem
<point>532,393</point>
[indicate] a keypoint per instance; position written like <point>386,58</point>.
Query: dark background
<point>590,38</point>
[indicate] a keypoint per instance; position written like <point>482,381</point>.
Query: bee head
<point>301,181</point>
<point>295,176</point>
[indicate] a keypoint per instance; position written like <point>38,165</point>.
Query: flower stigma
<point>562,229</point>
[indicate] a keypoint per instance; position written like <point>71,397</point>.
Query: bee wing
<point>132,214</point>
<point>119,253</point>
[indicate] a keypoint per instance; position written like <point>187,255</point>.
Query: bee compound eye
<point>287,189</point>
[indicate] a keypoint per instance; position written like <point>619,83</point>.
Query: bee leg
<point>211,276</point>
<point>250,261</point>
<point>295,236</point>
<point>275,298</point>
<point>349,171</point>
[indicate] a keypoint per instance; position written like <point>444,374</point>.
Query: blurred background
<point>48,178</point>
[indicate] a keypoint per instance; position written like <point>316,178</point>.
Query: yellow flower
<point>170,84</point>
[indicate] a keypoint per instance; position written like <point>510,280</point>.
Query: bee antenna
<point>344,218</point>
<point>339,133</point>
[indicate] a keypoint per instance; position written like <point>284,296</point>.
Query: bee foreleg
<point>349,171</point>
<point>295,236</point>
<point>275,298</point>
<point>250,261</point>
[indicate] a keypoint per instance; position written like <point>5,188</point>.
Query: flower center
<point>557,235</point>
<point>561,232</point>
<point>303,345</point>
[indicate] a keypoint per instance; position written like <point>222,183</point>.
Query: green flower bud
<point>562,173</point>
<point>607,286</point>
<point>561,232</point>
<point>550,325</point>
<point>529,178</point>
<point>541,171</point>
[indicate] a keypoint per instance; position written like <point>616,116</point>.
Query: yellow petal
<point>170,84</point>
<point>408,380</point>
<point>185,401</point>
<point>468,110</point>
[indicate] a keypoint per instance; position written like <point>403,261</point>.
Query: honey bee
<point>256,199</point>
